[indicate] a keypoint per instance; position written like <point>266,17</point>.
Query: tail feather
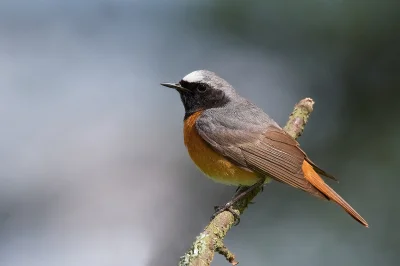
<point>318,182</point>
<point>320,171</point>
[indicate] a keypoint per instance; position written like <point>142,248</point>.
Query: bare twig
<point>211,239</point>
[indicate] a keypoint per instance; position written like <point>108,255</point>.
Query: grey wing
<point>226,129</point>
<point>260,146</point>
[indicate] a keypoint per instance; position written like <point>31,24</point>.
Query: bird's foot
<point>241,192</point>
<point>226,207</point>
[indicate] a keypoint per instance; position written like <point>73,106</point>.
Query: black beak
<point>175,86</point>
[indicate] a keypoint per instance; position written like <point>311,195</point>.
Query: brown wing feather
<point>278,135</point>
<point>278,154</point>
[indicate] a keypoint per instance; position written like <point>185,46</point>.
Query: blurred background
<point>93,166</point>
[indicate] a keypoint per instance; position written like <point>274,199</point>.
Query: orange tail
<point>318,183</point>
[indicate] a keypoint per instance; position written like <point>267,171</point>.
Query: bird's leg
<point>240,193</point>
<point>239,188</point>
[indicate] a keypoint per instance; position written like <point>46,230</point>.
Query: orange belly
<point>211,163</point>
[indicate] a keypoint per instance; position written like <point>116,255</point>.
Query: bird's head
<point>203,89</point>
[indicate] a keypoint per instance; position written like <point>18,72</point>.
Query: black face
<point>200,96</point>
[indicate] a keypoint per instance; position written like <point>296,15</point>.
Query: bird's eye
<point>201,88</point>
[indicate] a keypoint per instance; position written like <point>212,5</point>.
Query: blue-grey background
<point>93,170</point>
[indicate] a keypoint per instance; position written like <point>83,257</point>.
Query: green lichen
<point>199,245</point>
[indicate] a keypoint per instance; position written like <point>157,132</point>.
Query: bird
<point>234,142</point>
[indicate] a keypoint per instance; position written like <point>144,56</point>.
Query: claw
<point>239,195</point>
<point>226,207</point>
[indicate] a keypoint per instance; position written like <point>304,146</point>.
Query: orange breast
<point>210,162</point>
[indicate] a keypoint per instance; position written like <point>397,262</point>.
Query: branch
<point>211,239</point>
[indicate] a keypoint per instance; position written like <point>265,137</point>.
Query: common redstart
<point>234,142</point>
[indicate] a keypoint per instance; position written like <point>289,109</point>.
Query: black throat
<point>193,105</point>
